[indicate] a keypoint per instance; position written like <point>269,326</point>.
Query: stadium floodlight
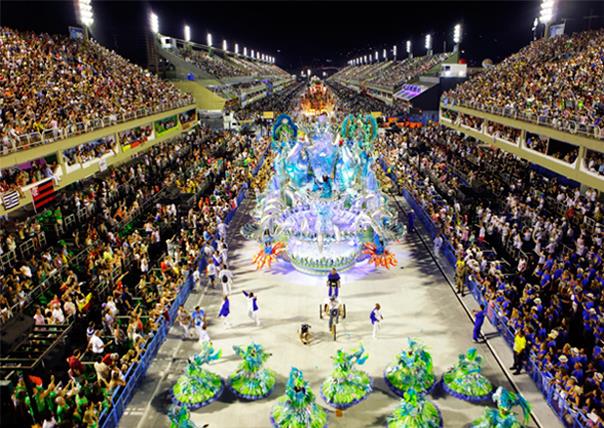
<point>244,51</point>
<point>225,45</point>
<point>428,44</point>
<point>252,54</point>
<point>376,56</point>
<point>547,11</point>
<point>209,39</point>
<point>408,45</point>
<point>154,23</point>
<point>384,54</point>
<point>257,55</point>
<point>85,12</point>
<point>394,51</point>
<point>236,48</point>
<point>308,71</point>
<point>457,34</point>
<point>187,33</point>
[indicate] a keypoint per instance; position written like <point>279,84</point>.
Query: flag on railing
<point>10,199</point>
<point>43,194</point>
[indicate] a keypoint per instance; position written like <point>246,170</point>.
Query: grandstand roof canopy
<point>310,34</point>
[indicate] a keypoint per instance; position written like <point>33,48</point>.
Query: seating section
<point>526,244</point>
<point>390,74</point>
<point>222,66</point>
<point>114,272</point>
<point>53,85</point>
<point>555,81</point>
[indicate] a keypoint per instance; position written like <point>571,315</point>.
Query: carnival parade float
<point>323,208</point>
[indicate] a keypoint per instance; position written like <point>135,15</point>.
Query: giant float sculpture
<point>323,207</point>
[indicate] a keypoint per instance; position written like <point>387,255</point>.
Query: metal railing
<point>47,136</point>
<point>560,124</point>
<point>569,415</point>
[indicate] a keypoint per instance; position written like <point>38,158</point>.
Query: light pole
<point>85,15</point>
<point>408,46</point>
<point>546,14</point>
<point>394,52</point>
<point>187,31</point>
<point>428,44</point>
<point>456,37</point>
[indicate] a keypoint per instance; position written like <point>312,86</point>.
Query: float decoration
<point>298,407</point>
<point>323,203</point>
<point>251,381</point>
<point>180,417</point>
<point>347,386</point>
<point>413,370</point>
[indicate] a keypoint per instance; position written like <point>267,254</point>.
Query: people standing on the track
<point>519,351</point>
<point>253,310</point>
<point>410,221</point>
<point>478,321</point>
<point>225,276</point>
<point>376,318</point>
<point>211,273</point>
<point>222,229</point>
<point>333,283</point>
<point>196,278</point>
<point>203,334</point>
<point>225,310</point>
<point>438,243</point>
<point>184,320</point>
<point>199,320</point>
<point>460,275</point>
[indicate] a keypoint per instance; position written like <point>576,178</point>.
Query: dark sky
<point>309,34</point>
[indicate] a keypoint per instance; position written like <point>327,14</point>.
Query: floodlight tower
<point>225,46</point>
<point>428,44</point>
<point>385,54</point>
<point>546,14</point>
<point>187,33</point>
<point>408,46</point>
<point>394,52</point>
<point>152,56</point>
<point>237,49</point>
<point>456,37</point>
<point>85,15</point>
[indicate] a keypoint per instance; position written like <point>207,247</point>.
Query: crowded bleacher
<point>555,81</point>
<point>136,219</point>
<point>527,242</point>
<point>55,86</point>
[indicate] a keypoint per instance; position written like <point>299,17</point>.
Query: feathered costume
<point>298,407</point>
<point>464,380</point>
<point>251,380</point>
<point>415,412</point>
<point>503,416</point>
<point>412,370</point>
<point>347,386</point>
<point>198,387</point>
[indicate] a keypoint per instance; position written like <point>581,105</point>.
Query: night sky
<point>309,34</point>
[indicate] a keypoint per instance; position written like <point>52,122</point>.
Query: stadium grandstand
<point>326,231</point>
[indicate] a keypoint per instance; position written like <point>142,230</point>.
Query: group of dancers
<point>411,377</point>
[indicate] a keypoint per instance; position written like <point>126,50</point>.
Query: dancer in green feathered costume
<point>198,387</point>
<point>464,380</point>
<point>503,416</point>
<point>415,412</point>
<point>298,408</point>
<point>413,369</point>
<point>251,380</point>
<point>180,417</point>
<point>346,386</point>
